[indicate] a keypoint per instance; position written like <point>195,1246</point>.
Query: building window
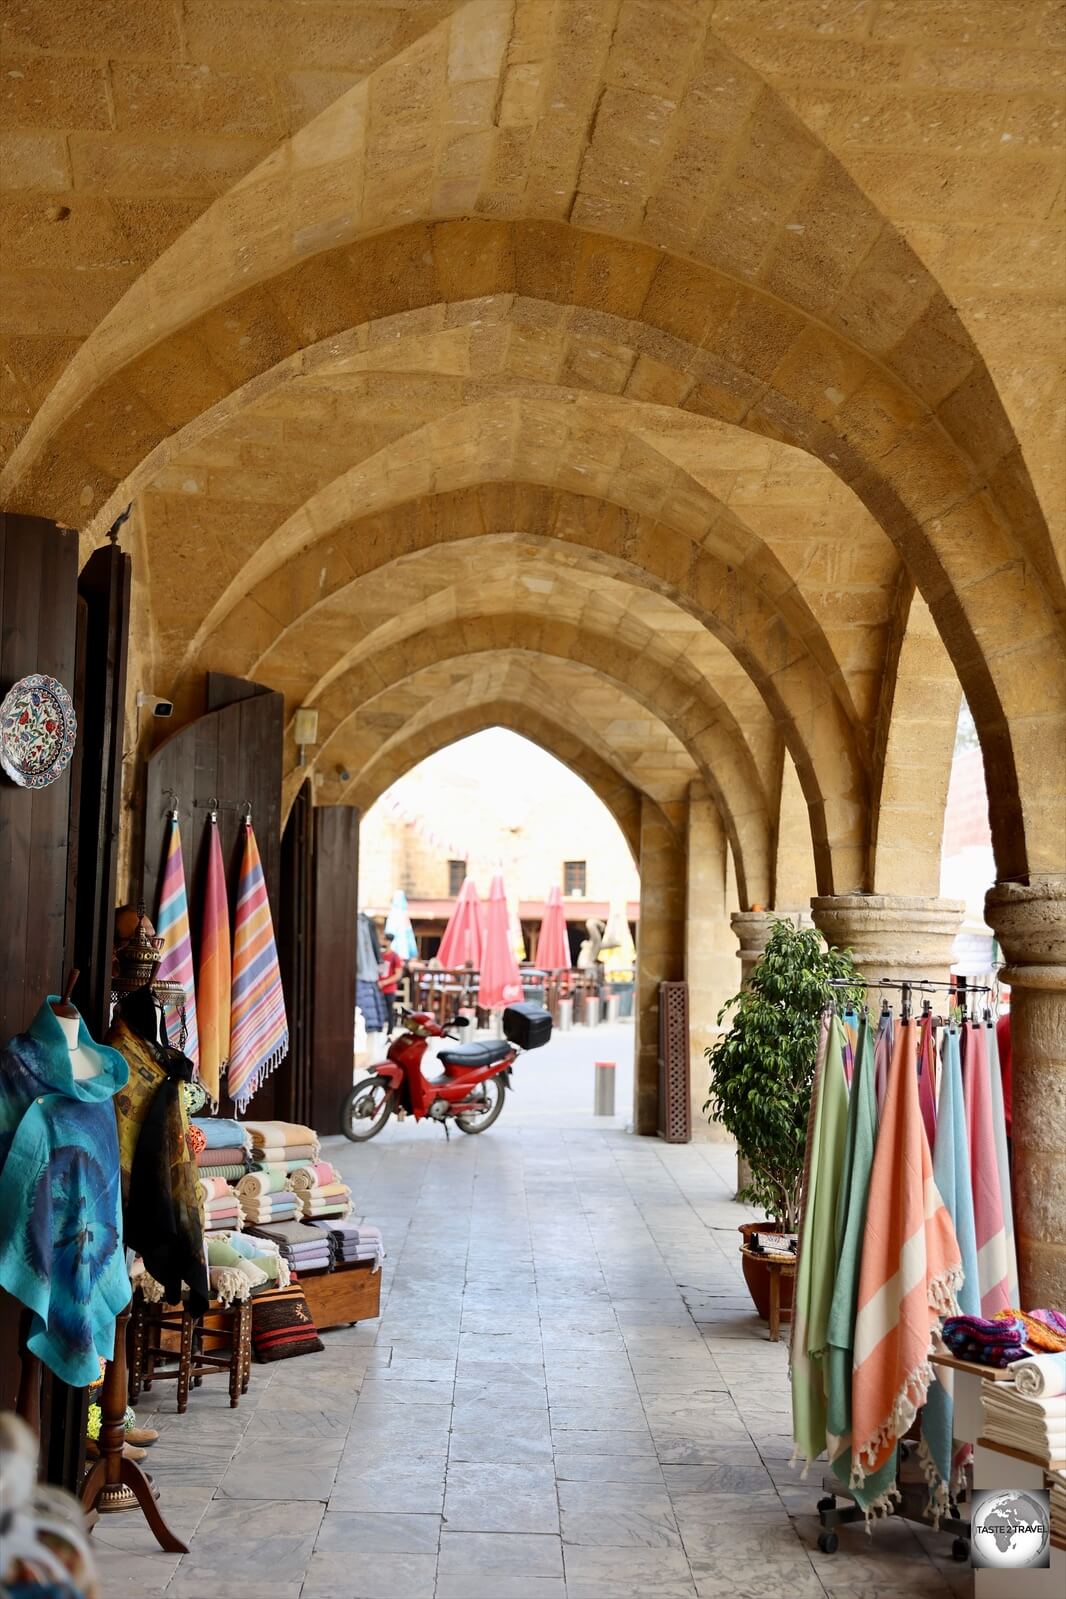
<point>574,877</point>
<point>456,877</point>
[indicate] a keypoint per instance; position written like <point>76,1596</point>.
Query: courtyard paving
<point>567,1396</point>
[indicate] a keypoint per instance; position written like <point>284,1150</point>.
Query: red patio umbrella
<point>461,944</point>
<point>500,983</point>
<point>553,946</point>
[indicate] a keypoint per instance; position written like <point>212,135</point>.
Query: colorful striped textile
<point>172,925</point>
<point>259,1030</point>
<point>910,1273</point>
<point>860,1139</point>
<point>951,1173</point>
<point>993,1269</point>
<point>999,1129</point>
<point>817,1248</point>
<point>213,987</point>
<point>926,1076</point>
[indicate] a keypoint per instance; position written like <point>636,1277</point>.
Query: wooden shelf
<point>989,1373</point>
<point>1022,1454</point>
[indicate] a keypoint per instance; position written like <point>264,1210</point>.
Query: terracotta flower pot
<point>757,1272</point>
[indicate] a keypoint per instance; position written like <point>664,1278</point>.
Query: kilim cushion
<point>282,1325</point>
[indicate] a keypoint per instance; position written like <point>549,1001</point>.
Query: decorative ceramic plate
<point>37,731</point>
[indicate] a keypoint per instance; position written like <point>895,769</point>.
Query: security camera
<point>157,706</point>
<point>343,773</point>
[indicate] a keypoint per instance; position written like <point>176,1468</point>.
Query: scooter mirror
<point>459,1021</point>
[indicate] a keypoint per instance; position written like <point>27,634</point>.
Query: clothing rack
<point>908,987</point>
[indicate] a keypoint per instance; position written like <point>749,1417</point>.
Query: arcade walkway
<point>567,1397</point>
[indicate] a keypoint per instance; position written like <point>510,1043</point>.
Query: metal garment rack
<point>913,1494</point>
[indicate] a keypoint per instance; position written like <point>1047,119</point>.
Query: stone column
<point>893,936</point>
<point>709,959</point>
<point>1030,924</point>
<point>660,945</point>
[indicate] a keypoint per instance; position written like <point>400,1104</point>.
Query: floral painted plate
<point>37,731</point>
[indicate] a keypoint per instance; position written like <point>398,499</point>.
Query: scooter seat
<point>474,1055</point>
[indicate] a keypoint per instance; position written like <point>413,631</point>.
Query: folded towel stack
<point>1045,1330</point>
<point>303,1247</point>
<point>986,1343</point>
<point>1037,1426</point>
<point>218,1212</point>
<point>1057,1486</point>
<point>354,1241</point>
<point>321,1190</point>
<point>282,1142</point>
<point>280,1206</point>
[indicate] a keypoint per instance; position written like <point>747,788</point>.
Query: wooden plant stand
<point>778,1267</point>
<point>115,1483</point>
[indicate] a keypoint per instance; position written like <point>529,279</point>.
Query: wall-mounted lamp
<point>305,731</point>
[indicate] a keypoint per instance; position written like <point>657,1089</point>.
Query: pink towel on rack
<point>926,1083</point>
<point>993,1267</point>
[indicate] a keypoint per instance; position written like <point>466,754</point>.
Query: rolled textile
<point>221,1131</point>
<point>232,1249</point>
<point>324,1191</point>
<point>270,1180</point>
<point>225,1155</point>
<point>263,1133</point>
<point>315,1175</point>
<point>1041,1377</point>
<point>232,1174</point>
<point>280,1154</point>
<point>212,1187</point>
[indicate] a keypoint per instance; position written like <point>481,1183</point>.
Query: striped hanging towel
<point>910,1273</point>
<point>214,983</point>
<point>259,1031</point>
<point>999,1129</point>
<point>993,1266</point>
<point>926,1085</point>
<point>172,925</point>
<point>951,1173</point>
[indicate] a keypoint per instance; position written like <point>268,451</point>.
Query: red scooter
<point>471,1090</point>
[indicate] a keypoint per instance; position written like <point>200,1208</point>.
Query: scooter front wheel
<point>476,1121</point>
<point>367,1109</point>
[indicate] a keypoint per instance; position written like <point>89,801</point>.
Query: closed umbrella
<point>398,923</point>
<point>553,946</point>
<point>500,984</point>
<point>461,944</point>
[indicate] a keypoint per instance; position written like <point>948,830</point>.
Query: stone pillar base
<point>891,936</point>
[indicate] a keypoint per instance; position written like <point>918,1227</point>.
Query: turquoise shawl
<point>61,1251</point>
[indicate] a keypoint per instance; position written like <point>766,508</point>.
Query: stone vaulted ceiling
<point>619,369</point>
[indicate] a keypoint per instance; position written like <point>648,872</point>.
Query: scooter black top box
<point>528,1026</point>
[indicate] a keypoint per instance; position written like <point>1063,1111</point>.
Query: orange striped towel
<point>911,1270</point>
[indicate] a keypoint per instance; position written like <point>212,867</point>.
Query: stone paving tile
<point>576,1403</point>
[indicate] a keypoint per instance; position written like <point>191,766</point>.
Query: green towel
<point>814,1268</point>
<point>859,1140</point>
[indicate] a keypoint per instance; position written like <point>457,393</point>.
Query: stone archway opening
<point>498,801</point>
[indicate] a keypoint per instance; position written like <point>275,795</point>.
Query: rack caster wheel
<point>828,1503</point>
<point>960,1549</point>
<point>828,1543</point>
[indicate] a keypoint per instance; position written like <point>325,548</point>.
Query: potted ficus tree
<point>762,1071</point>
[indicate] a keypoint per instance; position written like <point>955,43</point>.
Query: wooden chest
<point>349,1293</point>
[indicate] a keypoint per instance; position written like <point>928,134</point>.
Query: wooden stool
<point>161,1332</point>
<point>779,1267</point>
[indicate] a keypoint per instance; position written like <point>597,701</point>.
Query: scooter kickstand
<point>447,1131</point>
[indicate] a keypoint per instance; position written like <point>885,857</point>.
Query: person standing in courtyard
<point>389,980</point>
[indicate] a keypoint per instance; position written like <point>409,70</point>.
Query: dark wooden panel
<point>292,1080</point>
<point>231,756</point>
<point>104,588</point>
<point>38,633</point>
<point>334,960</point>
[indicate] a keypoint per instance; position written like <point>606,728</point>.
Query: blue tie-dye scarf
<point>61,1251</point>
